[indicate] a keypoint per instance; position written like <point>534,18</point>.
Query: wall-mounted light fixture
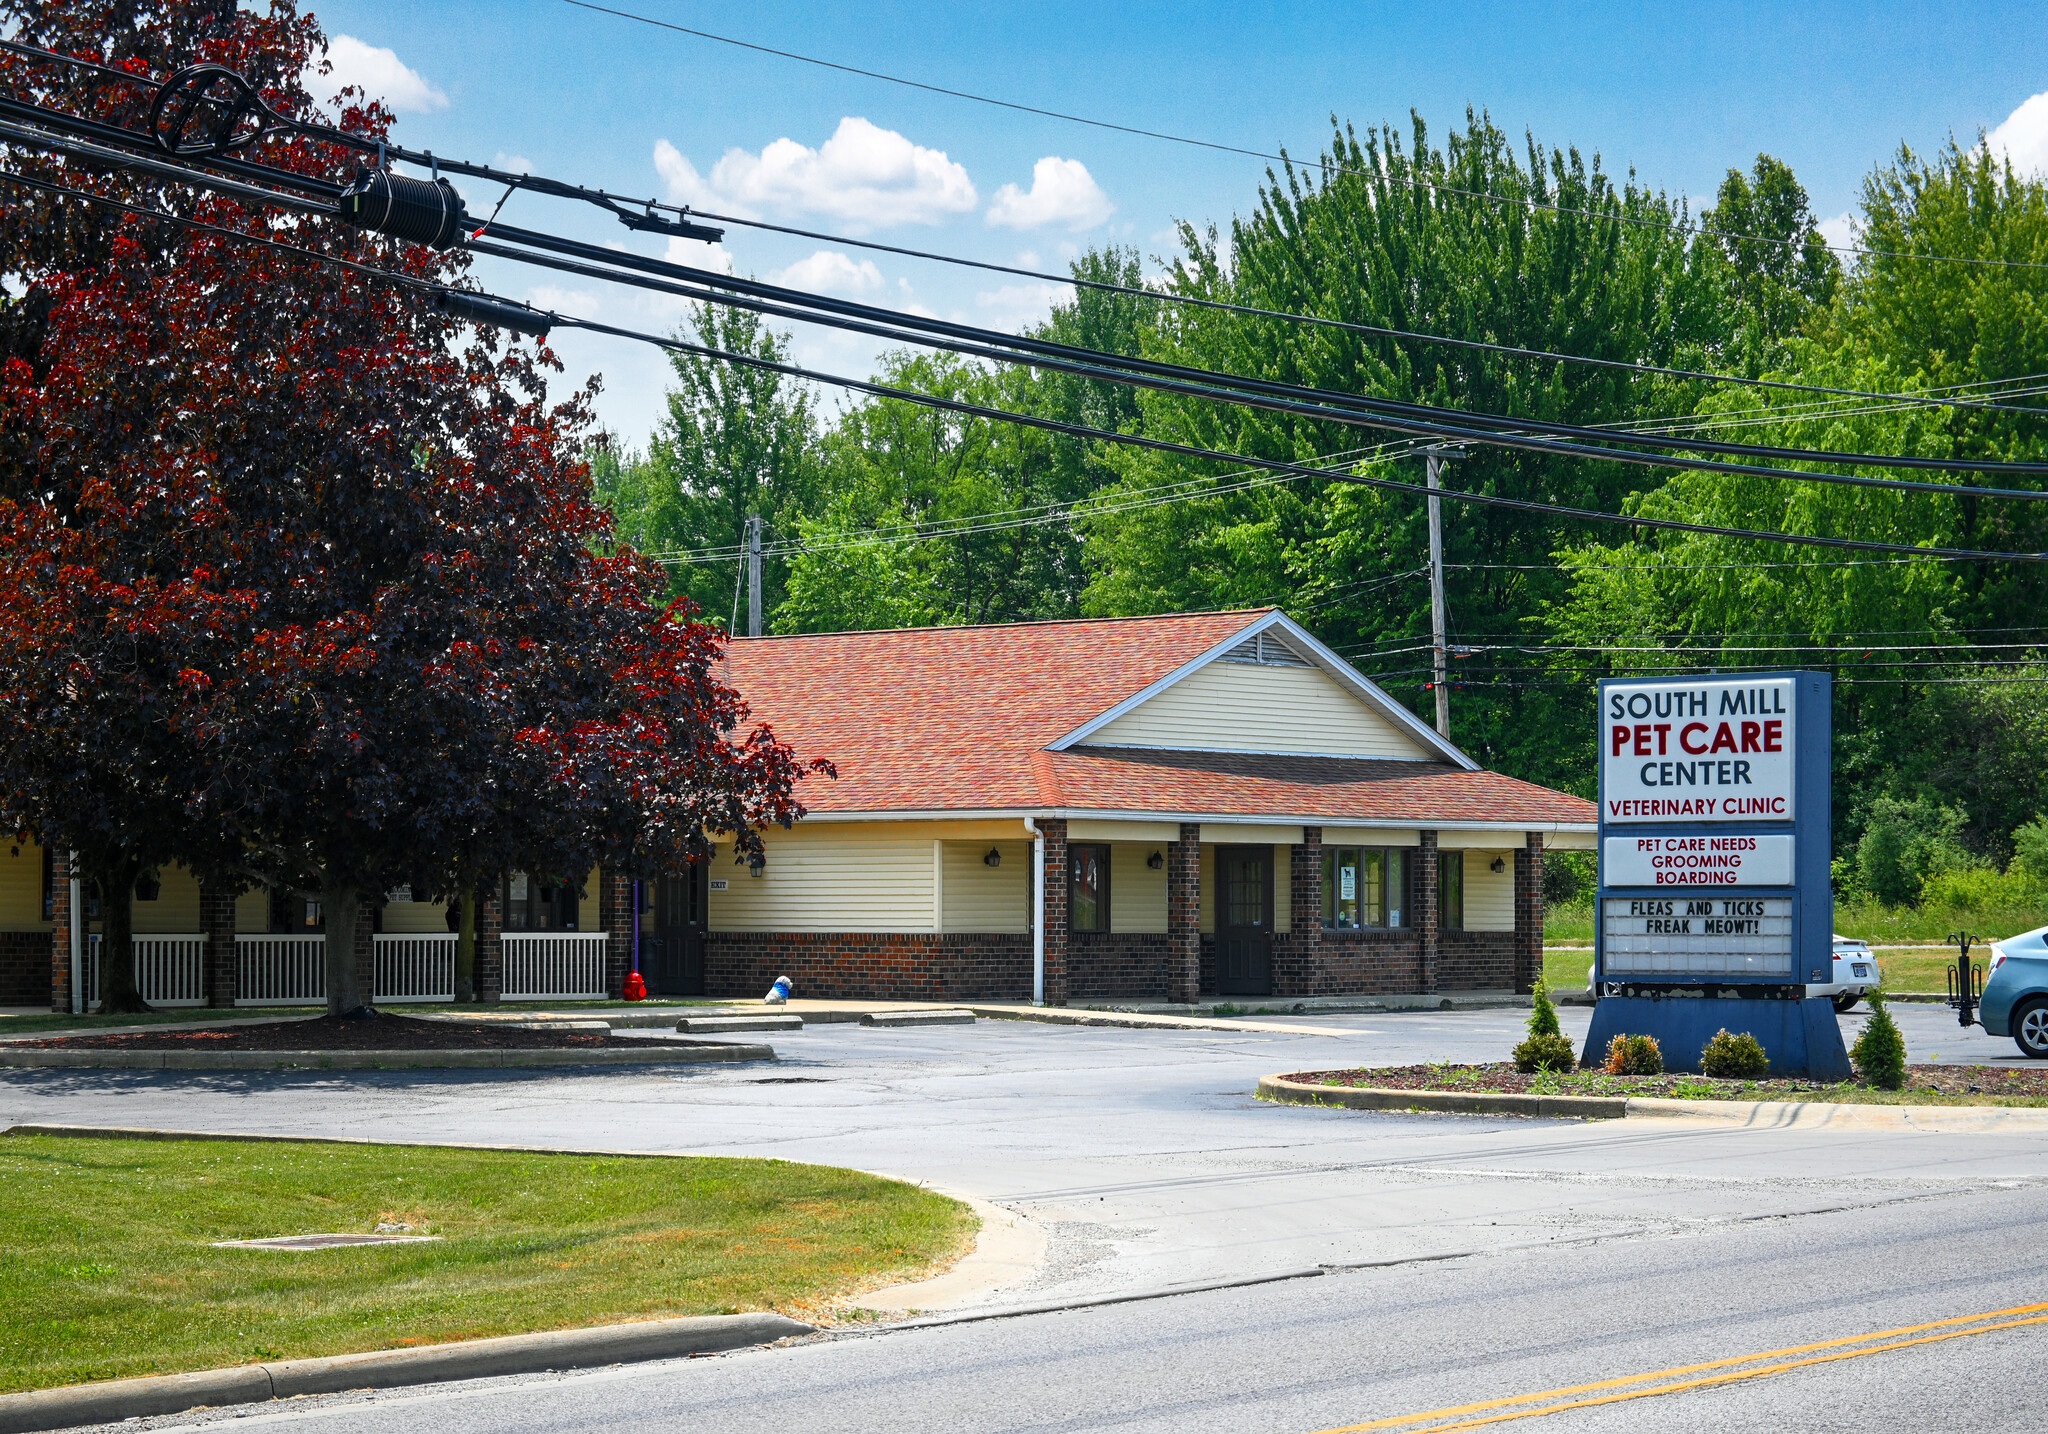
<point>757,864</point>
<point>1500,865</point>
<point>1156,860</point>
<point>994,858</point>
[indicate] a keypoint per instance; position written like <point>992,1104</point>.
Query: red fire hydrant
<point>636,989</point>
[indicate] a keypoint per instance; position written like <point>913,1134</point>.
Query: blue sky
<point>1677,93</point>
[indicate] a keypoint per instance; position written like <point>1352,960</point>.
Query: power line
<point>1928,398</point>
<point>1325,166</point>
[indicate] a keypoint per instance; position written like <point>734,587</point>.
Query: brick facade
<point>1056,976</point>
<point>366,949</point>
<point>882,966</point>
<point>1119,965</point>
<point>25,958</point>
<point>490,945</point>
<point>1528,958</point>
<point>219,973</point>
<point>1298,951</point>
<point>1185,979</point>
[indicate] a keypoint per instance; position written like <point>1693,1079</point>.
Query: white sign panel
<point>1696,861</point>
<point>1696,932</point>
<point>1716,750</point>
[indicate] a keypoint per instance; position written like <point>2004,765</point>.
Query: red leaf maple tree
<point>299,582</point>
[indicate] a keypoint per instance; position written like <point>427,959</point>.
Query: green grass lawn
<point>107,1270</point>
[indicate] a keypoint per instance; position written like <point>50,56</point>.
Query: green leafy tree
<point>1761,242</point>
<point>736,441</point>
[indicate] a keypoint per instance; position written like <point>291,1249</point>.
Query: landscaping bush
<point>1880,1052</point>
<point>1546,1049</point>
<point>1734,1057</point>
<point>1634,1056</point>
<point>2030,851</point>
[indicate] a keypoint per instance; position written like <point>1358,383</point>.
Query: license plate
<point>1860,969</point>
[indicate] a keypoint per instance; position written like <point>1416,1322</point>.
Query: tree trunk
<point>118,991</point>
<point>465,946</point>
<point>341,906</point>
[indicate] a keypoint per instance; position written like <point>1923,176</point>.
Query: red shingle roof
<point>958,718</point>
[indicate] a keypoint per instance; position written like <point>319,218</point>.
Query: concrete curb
<point>384,1369</point>
<point>1750,1114</point>
<point>666,1053</point>
<point>1288,1092</point>
<point>712,1025</point>
<point>918,1018</point>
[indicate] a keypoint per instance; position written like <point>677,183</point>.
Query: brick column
<point>615,912</point>
<point>60,932</point>
<point>1055,910</point>
<point>1529,912</point>
<point>1299,971</point>
<point>1184,915</point>
<point>217,924</point>
<point>1428,918</point>
<point>490,948</point>
<point>366,949</point>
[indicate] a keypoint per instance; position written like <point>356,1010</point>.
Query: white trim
<point>1119,814</point>
<point>1037,912</point>
<point>1318,655</point>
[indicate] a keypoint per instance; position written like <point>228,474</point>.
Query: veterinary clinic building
<point>1211,804</point>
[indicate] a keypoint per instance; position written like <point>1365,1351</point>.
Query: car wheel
<point>2030,1030</point>
<point>1846,1000</point>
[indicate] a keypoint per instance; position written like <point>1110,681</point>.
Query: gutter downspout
<point>77,962</point>
<point>1037,911</point>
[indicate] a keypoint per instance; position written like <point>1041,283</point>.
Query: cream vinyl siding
<point>1237,707</point>
<point>21,886</point>
<point>982,898</point>
<point>176,908</point>
<point>413,918</point>
<point>1489,898</point>
<point>252,910</point>
<point>1137,894</point>
<point>830,877</point>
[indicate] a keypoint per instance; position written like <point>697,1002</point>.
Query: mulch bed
<point>1501,1078</point>
<point>325,1033</point>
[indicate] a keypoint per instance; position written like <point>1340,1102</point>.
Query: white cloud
<point>1062,192</point>
<point>1840,231</point>
<point>865,175</point>
<point>697,254</point>
<point>828,272</point>
<point>2023,138</point>
<point>380,75</point>
<point>514,163</point>
<point>1015,305</point>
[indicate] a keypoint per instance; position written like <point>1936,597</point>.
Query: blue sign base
<point>1802,1038</point>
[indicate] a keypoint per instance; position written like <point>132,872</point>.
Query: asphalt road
<point>1531,1255</point>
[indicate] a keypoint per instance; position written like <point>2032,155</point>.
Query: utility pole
<point>753,575</point>
<point>1439,618</point>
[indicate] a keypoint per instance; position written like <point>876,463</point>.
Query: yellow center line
<point>1486,1407</point>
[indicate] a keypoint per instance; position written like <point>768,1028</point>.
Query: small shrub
<point>1734,1057</point>
<point>1880,1052</point>
<point>1634,1056</point>
<point>1551,1052</point>
<point>1543,1015</point>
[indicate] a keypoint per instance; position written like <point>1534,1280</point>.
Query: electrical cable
<point>1167,296</point>
<point>1283,157</point>
<point>1349,402</point>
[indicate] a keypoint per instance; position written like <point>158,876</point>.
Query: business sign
<point>1677,937</point>
<point>1714,830</point>
<point>1705,859</point>
<point>1698,750</point>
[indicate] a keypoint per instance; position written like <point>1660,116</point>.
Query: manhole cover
<point>320,1242</point>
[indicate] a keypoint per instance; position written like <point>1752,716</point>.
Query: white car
<point>1855,974</point>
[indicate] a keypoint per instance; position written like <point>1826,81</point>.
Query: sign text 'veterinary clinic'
<point>1716,750</point>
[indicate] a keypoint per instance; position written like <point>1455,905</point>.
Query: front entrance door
<point>672,956</point>
<point>1244,920</point>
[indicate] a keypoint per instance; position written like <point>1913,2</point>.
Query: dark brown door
<point>1244,920</point>
<point>672,956</point>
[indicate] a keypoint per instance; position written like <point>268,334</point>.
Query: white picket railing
<point>274,969</point>
<point>415,967</point>
<point>169,970</point>
<point>555,965</point>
